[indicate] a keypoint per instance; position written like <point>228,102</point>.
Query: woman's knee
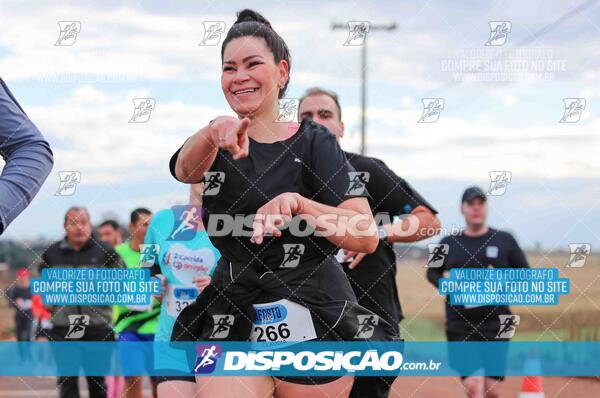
<point>474,386</point>
<point>491,388</point>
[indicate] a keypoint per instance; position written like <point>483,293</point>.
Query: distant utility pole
<point>357,36</point>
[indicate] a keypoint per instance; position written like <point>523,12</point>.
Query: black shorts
<point>308,380</point>
<point>322,288</point>
<point>162,379</point>
<point>479,360</point>
<point>375,288</point>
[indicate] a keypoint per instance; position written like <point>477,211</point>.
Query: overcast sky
<point>503,115</point>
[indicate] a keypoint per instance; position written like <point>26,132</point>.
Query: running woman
<point>373,276</point>
<point>279,174</point>
<point>477,246</point>
<point>184,260</point>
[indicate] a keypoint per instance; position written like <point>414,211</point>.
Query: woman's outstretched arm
<point>198,153</point>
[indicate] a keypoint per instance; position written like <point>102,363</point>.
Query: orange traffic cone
<point>532,387</point>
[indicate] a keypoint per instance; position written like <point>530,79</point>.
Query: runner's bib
<point>282,321</point>
<point>179,297</point>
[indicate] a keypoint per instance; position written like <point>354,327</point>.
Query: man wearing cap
<point>476,246</point>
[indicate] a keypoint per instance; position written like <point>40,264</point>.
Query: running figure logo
<point>77,325</point>
<point>573,110</point>
<point>357,33</point>
<point>68,33</point>
<point>366,326</point>
<point>212,33</point>
<point>508,326</point>
<point>187,219</point>
<point>142,109</point>
<point>432,109</point>
<point>292,254</point>
<point>288,110</point>
<point>437,254</point>
<point>498,33</point>
<point>206,361</point>
<point>212,182</point>
<point>221,327</point>
<point>68,182</point>
<point>499,181</point>
<point>579,253</point>
<point>149,254</point>
<point>358,182</point>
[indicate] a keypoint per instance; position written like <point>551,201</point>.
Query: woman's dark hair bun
<point>248,15</point>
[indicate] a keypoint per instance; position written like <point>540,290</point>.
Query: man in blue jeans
<point>27,155</point>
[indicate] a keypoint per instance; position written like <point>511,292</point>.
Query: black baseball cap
<point>472,193</point>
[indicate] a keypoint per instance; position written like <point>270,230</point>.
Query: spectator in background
<point>80,248</point>
<point>110,233</point>
<point>19,297</point>
<point>137,323</point>
<point>42,318</point>
<point>42,324</point>
<point>27,155</point>
<point>477,246</point>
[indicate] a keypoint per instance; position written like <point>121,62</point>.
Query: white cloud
<point>132,42</point>
<point>90,132</point>
<point>460,148</point>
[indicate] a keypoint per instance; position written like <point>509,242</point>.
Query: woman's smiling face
<point>250,77</point>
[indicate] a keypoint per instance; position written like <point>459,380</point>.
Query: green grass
<point>418,329</point>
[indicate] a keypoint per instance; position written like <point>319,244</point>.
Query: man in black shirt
<point>477,246</point>
<point>80,248</point>
<point>373,276</point>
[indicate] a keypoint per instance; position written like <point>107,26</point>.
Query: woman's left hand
<point>201,281</point>
<point>355,256</point>
<point>274,214</point>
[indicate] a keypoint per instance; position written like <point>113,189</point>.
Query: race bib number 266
<point>282,321</point>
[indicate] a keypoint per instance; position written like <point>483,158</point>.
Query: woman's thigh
<point>176,389</point>
<point>234,386</point>
<point>339,388</point>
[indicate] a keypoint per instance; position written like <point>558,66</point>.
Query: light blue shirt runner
<point>183,252</point>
